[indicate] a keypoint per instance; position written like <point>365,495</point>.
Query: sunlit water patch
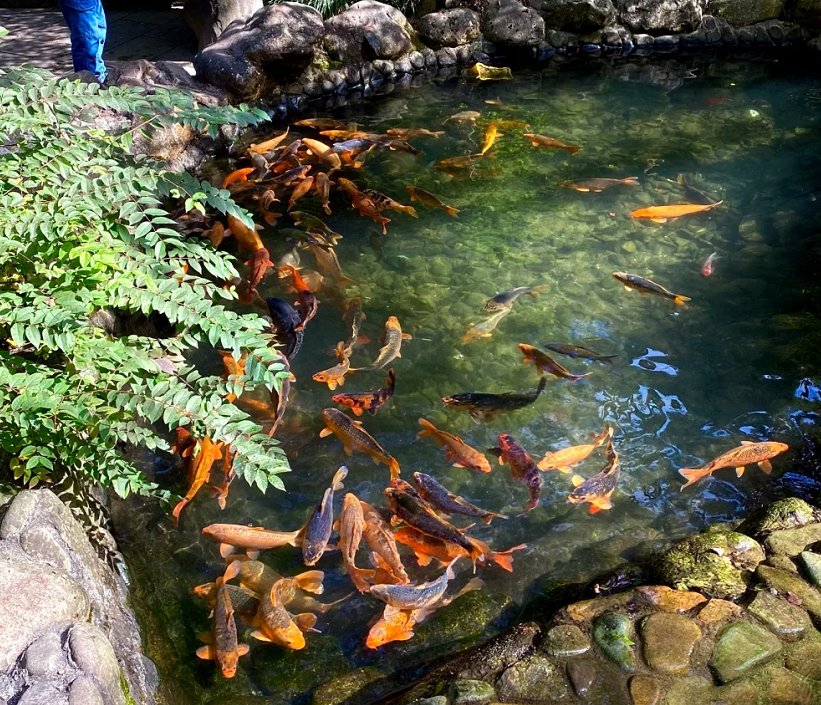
<point>738,362</point>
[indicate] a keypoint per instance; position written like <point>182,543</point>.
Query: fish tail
<point>340,475</point>
<point>542,385</point>
<point>450,210</point>
<point>692,475</point>
<point>504,559</point>
<point>391,382</point>
<point>393,465</point>
<point>576,378</point>
<point>680,300</point>
<point>631,181</point>
<point>573,149</point>
<point>428,429</point>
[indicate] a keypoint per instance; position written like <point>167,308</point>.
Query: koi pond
<point>738,362</point>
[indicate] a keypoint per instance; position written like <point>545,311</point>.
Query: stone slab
<point>740,647</point>
<point>668,642</point>
<point>779,616</point>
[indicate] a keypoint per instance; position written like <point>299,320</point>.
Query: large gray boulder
<point>509,23</point>
<point>368,30</point>
<point>575,15</point>
<point>210,18</point>
<point>273,47</point>
<point>660,16</point>
<point>744,12</point>
<point>449,28</point>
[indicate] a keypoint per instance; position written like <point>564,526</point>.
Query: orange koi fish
<point>550,142</point>
<point>246,237</point>
<point>661,214</point>
<point>335,376</point>
<point>306,303</point>
<point>485,327</point>
<point>244,601</point>
<point>322,184</point>
<point>564,459</point>
<point>393,625</point>
<point>323,152</point>
<point>269,145</point>
<point>491,135</point>
<point>207,452</point>
<point>597,490</point>
<point>258,577</point>
<point>301,189</point>
<point>457,452</point>
<point>237,176</point>
<point>393,344</point>
<point>256,538</point>
<point>258,265</point>
<point>464,116</point>
<point>428,199</point>
<point>738,458</point>
<point>597,185</point>
<point>428,548</point>
<point>322,123</point>
<point>522,467</point>
<point>350,526</point>
<point>363,204</point>
<point>355,438</point>
<point>646,286</point>
<point>367,401</point>
<point>386,203</point>
<point>224,648</point>
<point>546,364</point>
<point>378,536</point>
<point>275,624</point>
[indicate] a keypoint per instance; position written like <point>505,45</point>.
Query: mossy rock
<point>716,563</point>
<point>346,688</point>
<point>789,513</point>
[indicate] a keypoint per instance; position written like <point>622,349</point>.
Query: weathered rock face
<point>575,15</point>
<point>275,45</point>
<point>744,12</point>
<point>210,18</point>
<point>659,17</point>
<point>368,30</point>
<point>509,23</point>
<point>51,584</point>
<point>449,28</point>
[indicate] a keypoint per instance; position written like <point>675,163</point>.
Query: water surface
<point>688,382</point>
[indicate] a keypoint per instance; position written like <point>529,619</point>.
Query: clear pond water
<point>687,384</point>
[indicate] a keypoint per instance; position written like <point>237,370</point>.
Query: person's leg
<point>87,25</point>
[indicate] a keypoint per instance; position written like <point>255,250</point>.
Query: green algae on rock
<point>811,564</point>
<point>790,542</point>
<point>346,687</point>
<point>783,619</point>
<point>741,646</point>
<point>534,678</point>
<point>789,513</point>
<point>565,640</point>
<point>788,583</point>
<point>715,562</point>
<point>615,635</point>
<point>471,692</point>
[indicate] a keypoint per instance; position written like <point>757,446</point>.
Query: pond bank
<point>740,628</point>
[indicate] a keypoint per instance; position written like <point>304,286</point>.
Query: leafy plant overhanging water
<point>86,242</point>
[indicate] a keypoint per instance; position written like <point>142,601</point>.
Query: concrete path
<point>40,37</point>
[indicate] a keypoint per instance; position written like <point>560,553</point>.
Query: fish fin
<point>504,559</point>
<point>206,653</point>
<point>325,431</point>
<point>476,416</point>
<point>232,571</point>
<point>766,466</point>
<point>576,480</point>
<point>630,181</point>
<point>311,581</point>
<point>226,549</point>
<point>659,220</point>
<point>576,378</point>
<point>692,475</point>
<point>357,411</point>
<point>206,637</point>
<point>423,559</point>
<point>680,300</point>
<point>259,635</point>
<point>340,475</point>
<point>565,469</point>
<point>243,649</point>
<point>406,336</point>
<point>393,464</point>
<point>253,554</point>
<point>594,509</point>
<point>346,448</point>
<point>451,211</point>
<point>747,443</point>
<point>739,471</point>
<point>305,621</point>
<point>542,385</point>
<point>604,502</point>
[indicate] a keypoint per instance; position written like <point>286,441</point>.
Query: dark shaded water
<point>688,383</point>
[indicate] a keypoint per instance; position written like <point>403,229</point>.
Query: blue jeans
<point>86,22</point>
